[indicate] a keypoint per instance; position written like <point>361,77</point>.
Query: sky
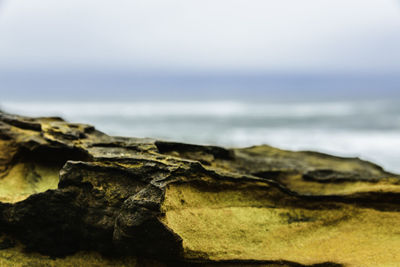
<point>325,36</point>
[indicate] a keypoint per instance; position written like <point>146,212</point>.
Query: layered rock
<point>69,190</point>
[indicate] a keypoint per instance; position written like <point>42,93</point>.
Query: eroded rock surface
<point>69,190</point>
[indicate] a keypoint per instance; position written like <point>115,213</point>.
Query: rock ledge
<point>71,195</point>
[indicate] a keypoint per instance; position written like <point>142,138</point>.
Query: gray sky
<point>244,35</point>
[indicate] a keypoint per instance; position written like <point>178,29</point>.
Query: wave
<point>370,130</point>
<point>194,109</point>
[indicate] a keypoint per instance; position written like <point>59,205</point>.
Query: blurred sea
<point>369,129</point>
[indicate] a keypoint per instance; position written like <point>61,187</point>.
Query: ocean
<point>369,129</point>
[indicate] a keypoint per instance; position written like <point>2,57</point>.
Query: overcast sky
<point>244,35</point>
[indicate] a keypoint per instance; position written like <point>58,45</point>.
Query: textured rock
<point>68,190</point>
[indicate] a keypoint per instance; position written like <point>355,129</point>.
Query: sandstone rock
<point>70,191</point>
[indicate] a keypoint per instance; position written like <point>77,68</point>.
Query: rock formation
<point>71,195</point>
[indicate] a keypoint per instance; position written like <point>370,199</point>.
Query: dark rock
<point>68,188</point>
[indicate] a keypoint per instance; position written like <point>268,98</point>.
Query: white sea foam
<point>219,109</point>
<point>370,130</point>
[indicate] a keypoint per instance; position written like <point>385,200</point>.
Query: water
<point>368,129</point>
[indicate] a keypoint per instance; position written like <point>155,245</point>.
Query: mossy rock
<point>71,195</point>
